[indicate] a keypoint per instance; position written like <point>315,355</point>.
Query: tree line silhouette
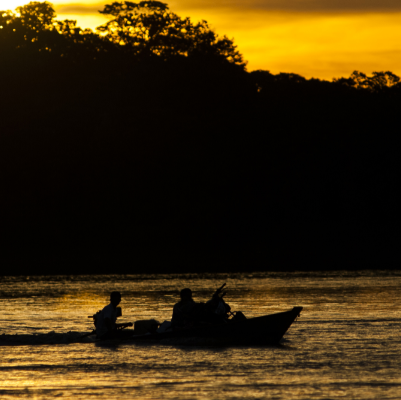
<point>148,146</point>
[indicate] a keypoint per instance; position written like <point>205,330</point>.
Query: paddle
<point>218,291</point>
<point>221,288</point>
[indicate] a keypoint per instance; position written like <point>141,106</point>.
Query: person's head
<point>186,294</point>
<point>115,298</point>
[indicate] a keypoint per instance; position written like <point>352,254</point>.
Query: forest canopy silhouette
<point>149,146</point>
<point>137,30</point>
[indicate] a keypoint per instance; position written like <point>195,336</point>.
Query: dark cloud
<point>307,6</point>
<point>80,9</point>
<point>318,6</point>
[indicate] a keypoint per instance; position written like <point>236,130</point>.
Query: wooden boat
<point>268,329</point>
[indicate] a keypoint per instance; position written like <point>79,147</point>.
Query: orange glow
<point>320,45</point>
<point>11,4</point>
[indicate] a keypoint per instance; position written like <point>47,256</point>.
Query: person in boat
<point>216,309</point>
<point>185,311</point>
<point>105,320</point>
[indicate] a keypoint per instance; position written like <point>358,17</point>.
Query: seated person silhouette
<point>187,313</point>
<point>105,320</point>
<point>184,312</point>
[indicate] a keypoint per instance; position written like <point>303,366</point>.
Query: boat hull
<point>268,329</point>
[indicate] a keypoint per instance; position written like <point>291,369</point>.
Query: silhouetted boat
<point>268,329</point>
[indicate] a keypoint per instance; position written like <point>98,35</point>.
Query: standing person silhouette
<point>105,320</point>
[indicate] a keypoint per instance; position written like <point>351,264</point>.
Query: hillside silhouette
<point>147,146</point>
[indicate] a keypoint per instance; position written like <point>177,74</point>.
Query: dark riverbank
<point>123,165</point>
<point>170,178</point>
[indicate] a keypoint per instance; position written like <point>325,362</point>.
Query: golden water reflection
<point>346,344</point>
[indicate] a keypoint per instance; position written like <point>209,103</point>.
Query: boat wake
<point>45,338</point>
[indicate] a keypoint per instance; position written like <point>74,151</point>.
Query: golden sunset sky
<point>314,38</point>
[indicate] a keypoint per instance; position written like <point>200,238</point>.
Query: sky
<point>314,38</point>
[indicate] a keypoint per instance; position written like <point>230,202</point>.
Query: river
<point>345,345</point>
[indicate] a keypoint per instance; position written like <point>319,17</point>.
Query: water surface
<point>346,344</point>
